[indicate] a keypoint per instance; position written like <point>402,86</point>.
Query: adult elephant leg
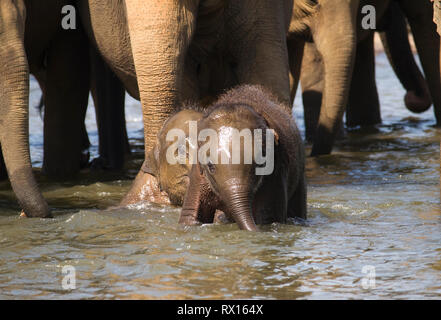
<point>3,172</point>
<point>363,107</point>
<point>395,40</point>
<point>85,144</point>
<point>337,48</point>
<point>427,41</point>
<point>295,55</point>
<point>160,33</point>
<point>40,76</point>
<point>109,97</point>
<point>67,92</point>
<point>261,48</point>
<point>312,83</point>
<point>14,109</point>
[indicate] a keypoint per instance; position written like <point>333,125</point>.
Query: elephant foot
<point>145,188</point>
<point>416,103</point>
<point>103,164</point>
<point>24,215</point>
<point>84,159</point>
<point>100,164</point>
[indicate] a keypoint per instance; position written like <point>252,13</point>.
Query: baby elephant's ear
<point>276,136</point>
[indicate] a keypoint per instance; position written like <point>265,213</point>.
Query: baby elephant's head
<point>171,154</point>
<point>236,152</point>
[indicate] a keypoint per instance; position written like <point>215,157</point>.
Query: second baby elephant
<point>172,176</point>
<point>249,187</point>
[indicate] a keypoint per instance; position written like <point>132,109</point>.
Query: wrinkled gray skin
<point>363,105</point>
<point>395,40</point>
<point>178,57</point>
<point>32,39</point>
<point>230,42</point>
<point>235,189</point>
<point>336,47</point>
<point>363,108</point>
<point>34,42</point>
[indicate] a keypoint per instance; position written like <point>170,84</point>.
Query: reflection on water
<point>373,202</point>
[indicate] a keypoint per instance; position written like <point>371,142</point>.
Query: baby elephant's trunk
<point>240,210</point>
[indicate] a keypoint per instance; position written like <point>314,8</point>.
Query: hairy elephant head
<point>231,163</point>
<point>170,155</point>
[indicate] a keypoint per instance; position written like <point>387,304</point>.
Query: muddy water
<point>374,227</point>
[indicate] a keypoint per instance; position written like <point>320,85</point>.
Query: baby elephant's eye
<point>211,167</point>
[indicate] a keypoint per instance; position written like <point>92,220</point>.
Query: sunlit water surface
<point>373,205</point>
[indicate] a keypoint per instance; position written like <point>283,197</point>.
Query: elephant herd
<point>165,53</point>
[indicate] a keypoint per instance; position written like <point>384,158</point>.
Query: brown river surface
<point>374,226</point>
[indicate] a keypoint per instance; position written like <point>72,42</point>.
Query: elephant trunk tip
<point>245,222</point>
<point>249,227</point>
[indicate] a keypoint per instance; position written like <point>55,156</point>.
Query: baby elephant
<point>249,162</point>
<point>171,173</point>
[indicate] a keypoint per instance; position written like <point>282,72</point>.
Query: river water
<point>374,226</point>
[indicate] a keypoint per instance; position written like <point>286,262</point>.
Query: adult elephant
<point>33,41</point>
<point>170,51</point>
<point>109,100</point>
<point>59,59</point>
<point>32,38</point>
<point>363,106</point>
<point>335,29</point>
<point>108,95</point>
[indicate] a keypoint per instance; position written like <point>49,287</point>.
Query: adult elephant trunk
<point>334,33</point>
<point>160,33</point>
<point>427,41</point>
<point>239,208</point>
<point>395,41</point>
<point>14,98</point>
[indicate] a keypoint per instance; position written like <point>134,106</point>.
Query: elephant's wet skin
<point>343,65</point>
<point>171,179</point>
<point>14,104</point>
<point>174,178</point>
<point>188,50</point>
<point>236,189</point>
